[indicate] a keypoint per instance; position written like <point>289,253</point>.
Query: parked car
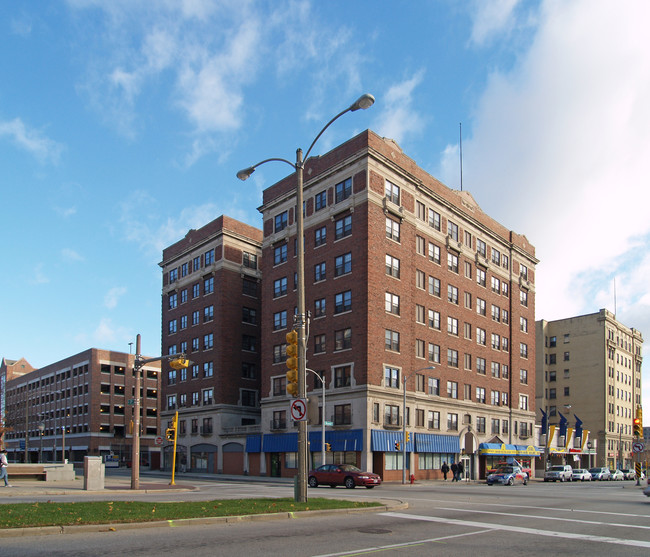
<point>600,473</point>
<point>507,475</point>
<point>628,473</point>
<point>616,475</point>
<point>581,474</point>
<point>511,462</point>
<point>342,474</point>
<point>646,491</point>
<point>561,472</point>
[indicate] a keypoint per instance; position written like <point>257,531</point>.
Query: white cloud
<point>113,296</point>
<point>39,277</point>
<point>560,151</point>
<point>65,212</point>
<point>31,140</point>
<point>491,17</point>
<point>398,117</point>
<point>71,255</point>
<point>105,334</point>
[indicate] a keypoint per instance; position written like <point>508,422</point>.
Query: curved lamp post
<point>363,102</point>
<point>404,378</point>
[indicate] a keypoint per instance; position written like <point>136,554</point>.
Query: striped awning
<point>436,443</point>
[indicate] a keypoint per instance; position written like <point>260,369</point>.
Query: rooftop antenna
<point>460,127</point>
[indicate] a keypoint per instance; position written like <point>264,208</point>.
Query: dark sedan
<point>507,475</point>
<point>342,474</point>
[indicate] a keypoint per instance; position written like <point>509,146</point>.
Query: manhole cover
<point>374,531</point>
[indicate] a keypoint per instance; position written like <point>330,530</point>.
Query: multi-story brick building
<point>402,274</point>
<point>84,405</point>
<point>589,366</point>
<point>211,311</point>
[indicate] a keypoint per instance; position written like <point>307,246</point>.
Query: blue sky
<point>123,123</point>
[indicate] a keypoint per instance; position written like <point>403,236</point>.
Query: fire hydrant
<point>412,479</point>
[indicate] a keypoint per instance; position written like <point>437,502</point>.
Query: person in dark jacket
<point>454,472</point>
<point>459,470</point>
<point>445,470</point>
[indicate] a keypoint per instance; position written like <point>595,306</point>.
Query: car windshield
<point>557,468</point>
<point>349,468</point>
<point>504,470</point>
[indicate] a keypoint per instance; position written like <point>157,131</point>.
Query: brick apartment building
<point>589,366</point>
<point>401,274</point>
<point>82,404</point>
<point>211,310</point>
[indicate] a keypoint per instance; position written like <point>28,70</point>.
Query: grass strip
<point>24,515</point>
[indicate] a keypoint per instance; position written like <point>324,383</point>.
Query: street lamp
<point>404,378</point>
<point>177,361</point>
<point>322,433</point>
<point>363,102</point>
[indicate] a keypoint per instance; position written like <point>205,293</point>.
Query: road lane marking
<point>376,549</point>
<point>520,530</point>
<point>562,519</point>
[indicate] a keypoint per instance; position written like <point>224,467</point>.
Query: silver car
<point>600,473</point>
<point>559,472</point>
<point>580,474</point>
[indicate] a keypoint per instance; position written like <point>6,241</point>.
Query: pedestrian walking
<point>460,470</point>
<point>3,467</point>
<point>454,472</point>
<point>445,470</point>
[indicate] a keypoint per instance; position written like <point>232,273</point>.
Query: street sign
<point>131,402</point>
<point>329,423</point>
<point>298,410</point>
<point>159,440</point>
<point>637,447</point>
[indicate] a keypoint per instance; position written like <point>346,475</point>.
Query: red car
<point>342,474</point>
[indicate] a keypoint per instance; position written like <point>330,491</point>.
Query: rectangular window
<point>452,389</point>
<point>319,307</point>
<point>343,190</point>
<point>281,221</point>
<point>343,301</point>
<point>391,376</point>
<point>208,313</point>
<point>343,339</point>
<point>208,257</point>
<point>248,343</point>
<point>480,395</point>
<point>208,285</point>
<point>208,369</point>
<point>434,353</point>
<point>279,254</point>
<point>452,326</point>
<point>434,419</point>
<point>480,366</point>
<point>319,272</point>
<point>249,260</point>
<point>392,303</point>
<point>392,192</point>
<point>343,264</point>
<point>173,300</point>
<point>391,340</point>
<point>452,230</point>
<point>434,286</point>
<point>392,266</point>
<point>342,414</point>
<point>280,320</point>
<point>319,344</point>
<point>208,341</point>
<point>249,315</point>
<point>280,287</point>
<point>452,294</point>
<point>342,376</point>
<point>343,227</point>
<point>452,422</point>
<point>452,357</point>
<point>320,236</point>
<point>392,229</point>
<point>434,386</point>
<point>320,200</point>
<point>196,264</point>
<point>434,219</point>
<point>452,262</point>
<point>480,277</point>
<point>434,319</point>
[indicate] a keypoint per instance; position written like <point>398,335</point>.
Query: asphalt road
<point>601,518</point>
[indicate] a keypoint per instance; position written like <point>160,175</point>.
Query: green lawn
<point>23,515</point>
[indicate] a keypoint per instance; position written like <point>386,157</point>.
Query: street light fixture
<point>404,378</point>
<point>363,102</point>
<point>177,361</point>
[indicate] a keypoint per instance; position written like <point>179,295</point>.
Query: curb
<point>72,529</point>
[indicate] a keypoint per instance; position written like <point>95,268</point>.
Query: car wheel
<point>511,481</point>
<point>313,482</point>
<point>561,478</point>
<point>525,481</point>
<point>349,483</point>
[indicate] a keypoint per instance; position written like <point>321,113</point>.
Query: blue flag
<point>578,432</point>
<point>563,424</point>
<point>544,422</point>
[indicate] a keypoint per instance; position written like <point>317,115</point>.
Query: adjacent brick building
<point>82,403</point>
<point>211,310</point>
<point>402,273</point>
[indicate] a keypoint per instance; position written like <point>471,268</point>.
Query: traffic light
<point>328,447</point>
<point>179,363</point>
<point>397,446</point>
<point>292,363</point>
<point>637,429</point>
<point>408,436</point>
<point>169,433</point>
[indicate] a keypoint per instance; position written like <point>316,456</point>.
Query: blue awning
<point>384,441</point>
<point>436,443</point>
<point>280,443</point>
<point>254,444</point>
<point>340,441</point>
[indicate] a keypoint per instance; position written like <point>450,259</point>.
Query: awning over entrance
<point>436,443</point>
<point>384,441</point>
<point>340,441</point>
<point>507,450</point>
